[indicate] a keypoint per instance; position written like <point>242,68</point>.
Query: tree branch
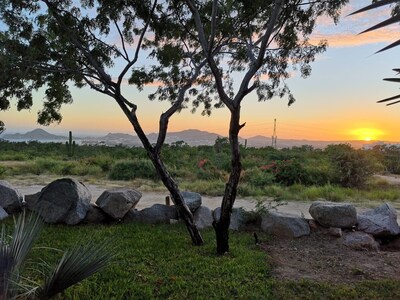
<point>164,118</point>
<point>258,63</point>
<point>139,45</point>
<point>214,68</point>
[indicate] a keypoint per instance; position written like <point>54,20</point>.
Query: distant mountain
<point>118,136</point>
<point>34,135</point>
<point>192,137</point>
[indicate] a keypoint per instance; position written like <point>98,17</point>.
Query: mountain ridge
<point>193,137</point>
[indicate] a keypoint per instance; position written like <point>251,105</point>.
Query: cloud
<point>350,39</point>
<point>346,32</point>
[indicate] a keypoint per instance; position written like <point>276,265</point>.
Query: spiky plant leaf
<point>6,262</point>
<point>392,79</point>
<point>394,19</point>
<point>392,45</point>
<point>373,6</point>
<point>13,254</point>
<point>26,232</point>
<point>390,21</point>
<point>389,99</point>
<point>75,266</point>
<point>395,102</point>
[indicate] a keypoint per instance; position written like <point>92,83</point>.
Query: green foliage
<point>257,177</point>
<point>221,145</point>
<point>288,172</point>
<point>318,179</point>
<point>131,169</point>
<point>390,157</point>
<point>352,167</point>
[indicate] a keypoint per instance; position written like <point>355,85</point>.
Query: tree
<point>53,44</point>
<point>249,46</point>
<point>395,18</point>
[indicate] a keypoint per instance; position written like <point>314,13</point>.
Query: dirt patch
<point>321,257</point>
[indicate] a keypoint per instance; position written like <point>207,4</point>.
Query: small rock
<point>203,217</point>
<point>117,202</point>
<point>360,241</point>
<point>334,231</point>
<point>330,214</point>
<point>284,225</point>
<point>10,198</point>
<point>192,200</point>
<point>380,222</point>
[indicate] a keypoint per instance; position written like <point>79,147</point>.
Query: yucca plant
<point>75,265</point>
<point>395,18</point>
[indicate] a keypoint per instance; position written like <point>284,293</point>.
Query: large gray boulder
<point>330,214</point>
<point>284,225</point>
<point>117,202</point>
<point>380,221</point>
<point>238,218</point>
<point>10,198</point>
<point>192,200</point>
<point>203,217</point>
<point>359,240</point>
<point>64,200</point>
<point>158,213</point>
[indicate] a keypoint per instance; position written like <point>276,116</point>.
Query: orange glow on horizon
<point>367,134</point>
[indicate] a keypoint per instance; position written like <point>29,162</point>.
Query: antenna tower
<point>274,136</point>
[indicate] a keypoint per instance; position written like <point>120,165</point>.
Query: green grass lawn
<point>159,262</point>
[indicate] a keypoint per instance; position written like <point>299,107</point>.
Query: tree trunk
<point>221,227</point>
<point>165,177</point>
<point>178,200</point>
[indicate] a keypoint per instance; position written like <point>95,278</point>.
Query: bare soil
<point>321,257</point>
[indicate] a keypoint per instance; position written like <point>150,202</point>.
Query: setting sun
<point>367,134</point>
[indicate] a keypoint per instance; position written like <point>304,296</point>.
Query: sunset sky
<point>337,102</point>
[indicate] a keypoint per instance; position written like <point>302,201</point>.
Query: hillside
<point>34,135</point>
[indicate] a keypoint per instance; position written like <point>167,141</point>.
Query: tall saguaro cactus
<point>70,145</point>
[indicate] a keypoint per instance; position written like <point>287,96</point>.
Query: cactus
<point>70,145</point>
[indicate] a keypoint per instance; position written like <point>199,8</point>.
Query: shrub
<point>207,171</point>
<point>257,177</point>
<point>44,165</point>
<point>131,169</point>
<point>352,167</point>
<point>318,173</point>
<point>287,172</point>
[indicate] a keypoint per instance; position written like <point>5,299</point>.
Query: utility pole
<point>274,136</point>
